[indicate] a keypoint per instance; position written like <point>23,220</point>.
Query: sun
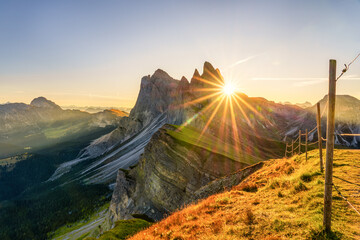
<point>228,89</point>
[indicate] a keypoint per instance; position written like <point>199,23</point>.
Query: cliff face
<point>157,94</point>
<point>171,170</point>
<point>160,97</point>
<point>167,176</point>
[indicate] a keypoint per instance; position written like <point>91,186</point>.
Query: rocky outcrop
<point>225,183</point>
<point>168,175</point>
<point>157,94</point>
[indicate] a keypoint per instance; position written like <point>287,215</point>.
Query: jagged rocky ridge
<point>170,173</point>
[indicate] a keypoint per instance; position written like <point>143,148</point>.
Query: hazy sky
<point>88,52</point>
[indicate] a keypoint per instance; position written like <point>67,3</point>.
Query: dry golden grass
<point>283,200</point>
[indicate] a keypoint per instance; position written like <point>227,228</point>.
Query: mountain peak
<point>42,102</point>
<point>196,73</point>
<point>161,74</point>
<point>212,74</point>
<point>209,73</point>
<point>208,67</point>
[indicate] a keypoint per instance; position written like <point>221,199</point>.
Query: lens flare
<point>223,108</point>
<point>228,89</point>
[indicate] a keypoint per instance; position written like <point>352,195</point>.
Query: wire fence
<point>298,144</point>
<point>295,145</point>
<point>352,206</point>
<point>330,144</point>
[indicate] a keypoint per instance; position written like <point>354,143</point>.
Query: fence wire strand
<point>347,67</point>
<point>346,199</point>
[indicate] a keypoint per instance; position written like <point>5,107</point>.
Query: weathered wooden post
<point>318,121</point>
<point>330,146</point>
<point>299,142</point>
<point>286,147</point>
<point>292,147</point>
<point>306,144</point>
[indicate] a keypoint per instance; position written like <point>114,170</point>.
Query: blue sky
<point>90,52</point>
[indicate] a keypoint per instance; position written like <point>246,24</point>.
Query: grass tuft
<point>249,187</point>
<point>306,177</point>
<point>280,194</point>
<point>299,187</point>
<point>322,235</point>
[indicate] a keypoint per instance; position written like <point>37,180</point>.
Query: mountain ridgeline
<point>42,123</point>
<point>179,162</point>
<point>181,142</point>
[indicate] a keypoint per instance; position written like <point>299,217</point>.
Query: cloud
<point>283,79</point>
<point>309,83</point>
<point>242,61</point>
<point>298,82</point>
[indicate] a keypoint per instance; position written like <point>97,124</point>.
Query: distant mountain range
<point>43,122</point>
<point>95,109</point>
<point>302,105</point>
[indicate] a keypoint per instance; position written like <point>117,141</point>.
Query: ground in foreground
<point>283,200</point>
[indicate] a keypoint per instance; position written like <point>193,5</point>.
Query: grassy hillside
<point>211,143</point>
<point>283,200</point>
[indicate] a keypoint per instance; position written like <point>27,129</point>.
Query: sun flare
<point>223,105</point>
<point>228,89</point>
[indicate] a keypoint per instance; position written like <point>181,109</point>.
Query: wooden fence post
<point>306,144</point>
<point>299,142</point>
<point>292,147</point>
<point>330,146</point>
<point>318,121</point>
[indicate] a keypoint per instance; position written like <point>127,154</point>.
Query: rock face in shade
<point>159,94</point>
<point>170,171</point>
<point>167,176</point>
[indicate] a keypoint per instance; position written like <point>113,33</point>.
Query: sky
<point>94,53</point>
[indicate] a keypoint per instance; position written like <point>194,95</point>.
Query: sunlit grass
<point>287,204</point>
<point>63,130</point>
<point>209,142</point>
